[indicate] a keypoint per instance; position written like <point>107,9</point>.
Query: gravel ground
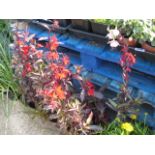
<point>23,120</point>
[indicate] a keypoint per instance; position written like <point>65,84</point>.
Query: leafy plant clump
<point>140,30</point>
<point>5,28</point>
<point>8,83</point>
<point>46,81</point>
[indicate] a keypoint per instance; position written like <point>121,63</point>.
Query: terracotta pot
<point>148,47</point>
<point>128,41</point>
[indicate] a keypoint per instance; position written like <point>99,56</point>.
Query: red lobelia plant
<point>46,81</point>
<point>127,60</point>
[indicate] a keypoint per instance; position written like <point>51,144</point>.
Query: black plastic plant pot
<point>99,28</point>
<point>81,24</point>
<point>64,22</point>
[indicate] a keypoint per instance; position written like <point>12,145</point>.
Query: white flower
<point>113,43</point>
<point>113,34</point>
<point>110,36</point>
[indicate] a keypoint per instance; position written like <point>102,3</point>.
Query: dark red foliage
<point>127,58</point>
<point>54,78</point>
<point>127,61</point>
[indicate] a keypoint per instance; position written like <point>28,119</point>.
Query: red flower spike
<point>90,88</point>
<point>52,56</point>
<point>53,43</point>
<point>90,92</point>
<point>39,54</point>
<point>28,67</point>
<point>127,59</point>
<point>53,66</point>
<point>65,60</point>
<point>60,93</point>
<point>25,50</point>
<point>62,74</point>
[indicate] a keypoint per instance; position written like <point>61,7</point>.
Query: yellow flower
<point>127,126</point>
<point>133,116</point>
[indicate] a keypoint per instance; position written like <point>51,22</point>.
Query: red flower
<point>25,50</point>
<point>90,88</point>
<point>53,55</point>
<point>28,67</point>
<point>89,84</point>
<point>53,66</point>
<point>60,93</point>
<point>62,73</point>
<point>65,60</point>
<point>90,92</point>
<point>39,54</point>
<point>127,59</point>
<point>53,43</point>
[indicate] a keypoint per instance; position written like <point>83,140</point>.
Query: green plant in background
<point>108,22</point>
<point>141,30</point>
<point>5,28</point>
<point>7,80</point>
<point>138,29</point>
<point>115,23</point>
<point>3,25</point>
<point>104,21</point>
